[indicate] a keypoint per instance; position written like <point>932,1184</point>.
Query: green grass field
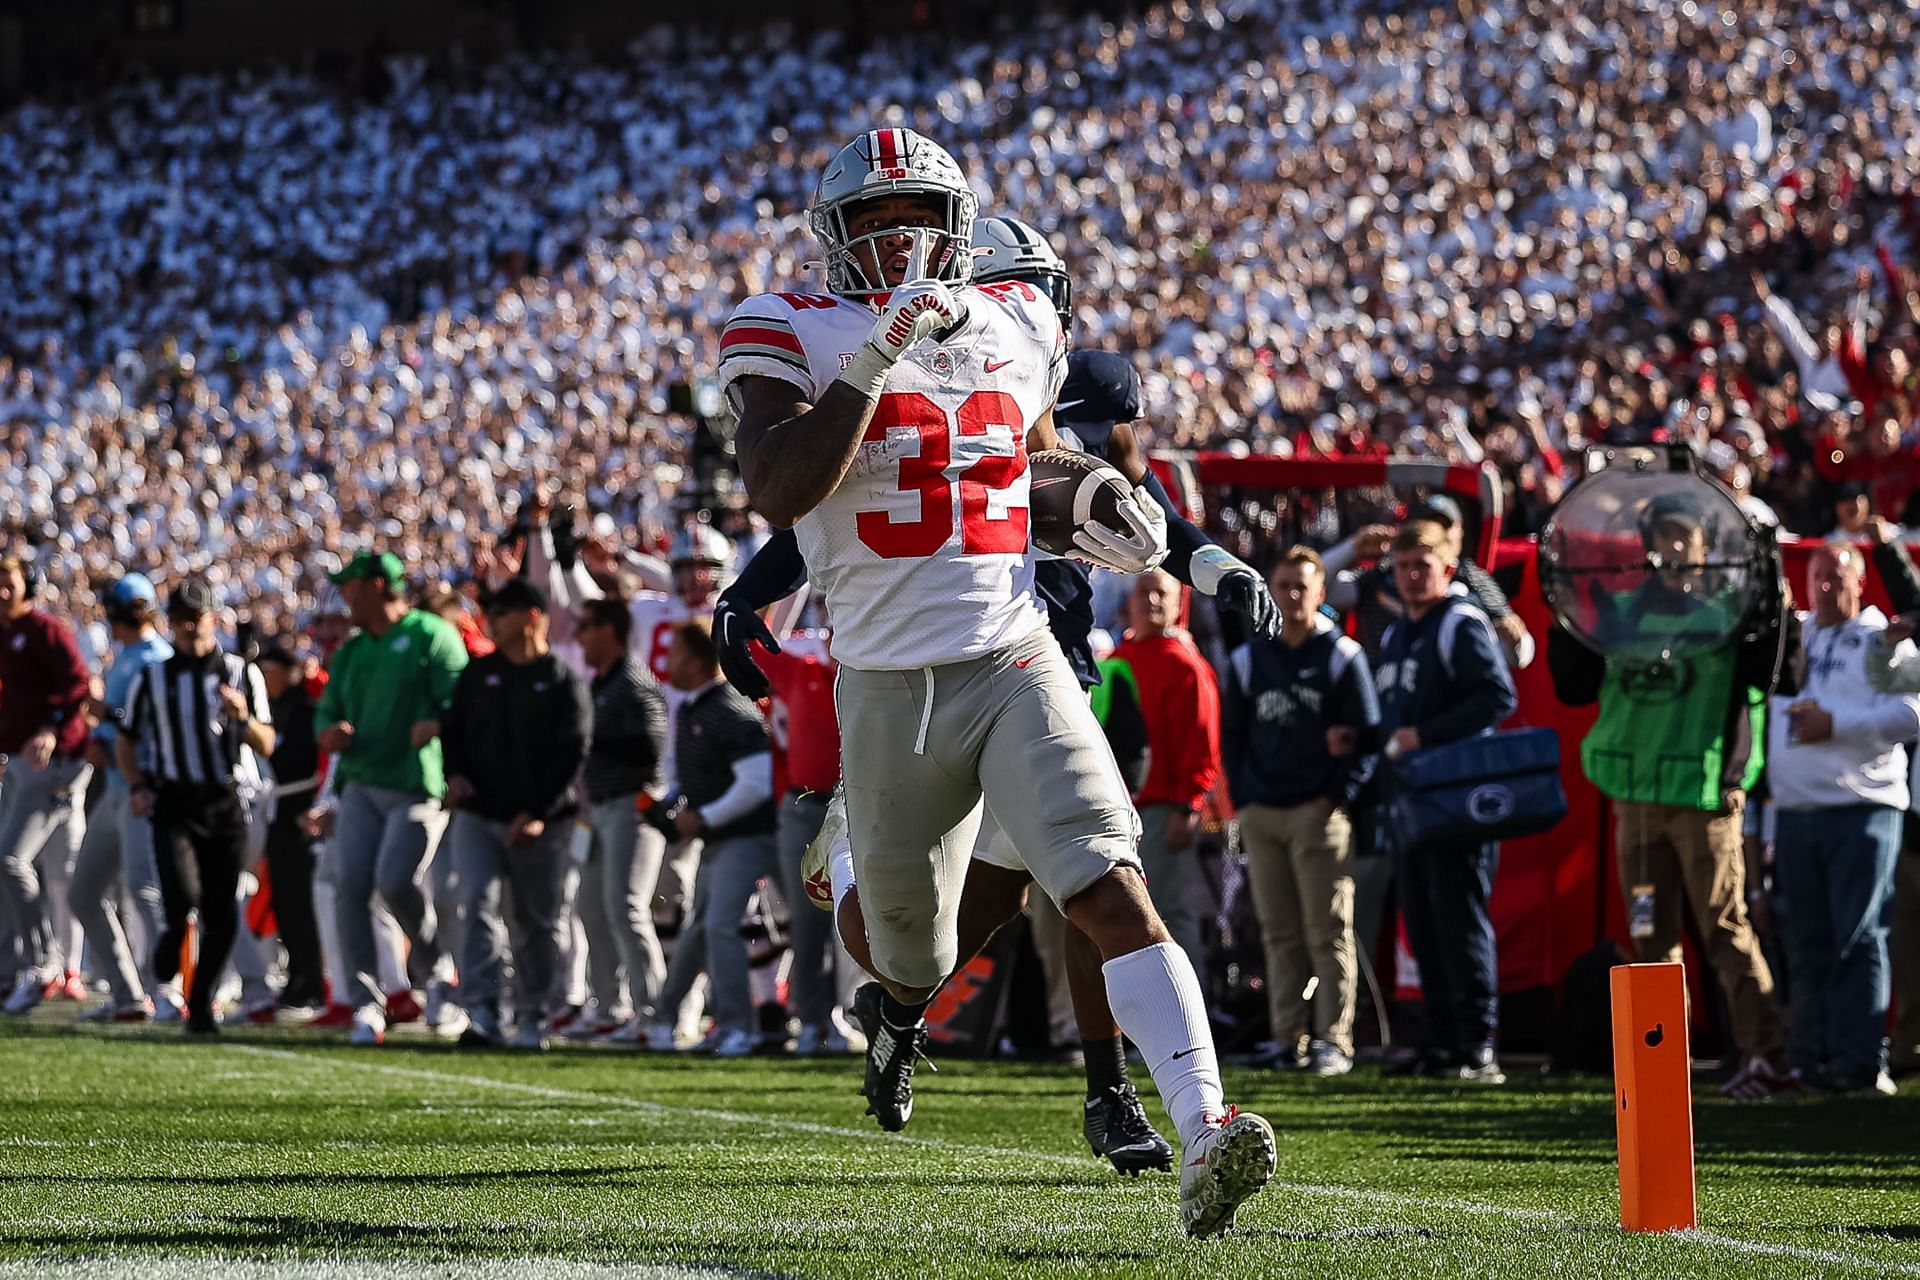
<point>132,1153</point>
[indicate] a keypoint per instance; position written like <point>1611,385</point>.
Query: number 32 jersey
<point>923,549</point>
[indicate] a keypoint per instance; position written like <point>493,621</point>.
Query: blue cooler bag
<point>1493,787</point>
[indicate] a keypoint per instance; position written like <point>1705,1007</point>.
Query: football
<point>1069,489</point>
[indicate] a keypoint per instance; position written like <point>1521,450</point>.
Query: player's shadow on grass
<point>280,1231</point>
<point>469,1178</point>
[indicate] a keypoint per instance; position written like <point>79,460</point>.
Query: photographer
<point>1677,746</point>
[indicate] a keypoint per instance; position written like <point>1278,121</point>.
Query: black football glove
<point>735,627</point>
<point>1242,591</point>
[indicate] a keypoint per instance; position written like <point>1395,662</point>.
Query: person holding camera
<point>516,736</point>
<point>1677,746</point>
<point>1443,677</point>
<point>190,719</point>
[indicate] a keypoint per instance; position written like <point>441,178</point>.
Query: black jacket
<point>1444,675</point>
<point>519,734</point>
<point>1275,709</point>
<point>629,732</point>
<point>296,753</point>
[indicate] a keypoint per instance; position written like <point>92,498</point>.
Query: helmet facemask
<point>881,164</point>
<point>856,267</point>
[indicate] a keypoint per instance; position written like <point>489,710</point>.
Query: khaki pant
<point>1695,858</point>
<point>1300,868</point>
<point>920,748</point>
<point>1905,944</point>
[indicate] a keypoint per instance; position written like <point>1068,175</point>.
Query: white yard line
<point>1385,1199</point>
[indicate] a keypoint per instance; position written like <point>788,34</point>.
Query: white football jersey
<point>923,550</point>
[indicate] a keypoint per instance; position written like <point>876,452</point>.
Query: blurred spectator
<point>1837,772</point>
<point>190,786</point>
<point>516,732</point>
<point>1902,581</point>
<point>725,773</point>
<point>1678,813</point>
<point>289,849</point>
<point>43,742</point>
<point>1443,677</point>
<point>1283,703</point>
<point>804,728</point>
<point>390,683</point>
<point>625,966</point>
<point>1180,701</point>
<point>116,859</point>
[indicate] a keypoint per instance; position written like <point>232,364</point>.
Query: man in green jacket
<point>387,688</point>
<point>1679,742</point>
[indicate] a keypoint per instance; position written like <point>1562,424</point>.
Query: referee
<point>189,719</point>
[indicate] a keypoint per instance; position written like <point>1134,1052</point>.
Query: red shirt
<point>43,684</point>
<point>805,725</point>
<point>1181,704</point>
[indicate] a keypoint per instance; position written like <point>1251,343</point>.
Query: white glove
<point>1138,547</point>
<point>916,310</point>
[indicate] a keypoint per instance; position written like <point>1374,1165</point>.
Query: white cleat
<point>1225,1166</point>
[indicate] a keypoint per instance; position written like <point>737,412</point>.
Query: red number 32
<point>924,472</point>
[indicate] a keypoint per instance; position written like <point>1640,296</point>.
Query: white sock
<point>1156,1000</point>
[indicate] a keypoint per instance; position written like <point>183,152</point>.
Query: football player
<point>1097,404</point>
<point>888,423</point>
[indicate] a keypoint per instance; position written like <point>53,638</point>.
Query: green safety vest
<point>1112,669</point>
<point>1662,733</point>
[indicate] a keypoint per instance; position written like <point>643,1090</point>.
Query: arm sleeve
<point>1183,536</point>
<point>1482,691</point>
<point>565,756</point>
<point>453,727</point>
<point>1577,671</point>
<point>1890,669</point>
<point>1356,703</point>
<point>1897,572</point>
<point>752,787</point>
<point>329,711</point>
<point>1883,724</point>
<point>449,659</point>
<point>72,683</point>
<point>1126,730</point>
<point>258,707</point>
<point>1341,556</point>
<point>1343,591</point>
<point>1485,591</point>
<point>776,571</point>
<point>1794,335</point>
<point>1197,763</point>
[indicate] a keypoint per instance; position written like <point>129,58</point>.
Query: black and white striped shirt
<point>177,721</point>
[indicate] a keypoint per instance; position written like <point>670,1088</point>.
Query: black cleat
<point>892,1054</point>
<point>1117,1127</point>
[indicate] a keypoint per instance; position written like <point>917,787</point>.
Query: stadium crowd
<point>257,323</point>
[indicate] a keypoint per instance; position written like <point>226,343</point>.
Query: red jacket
<point>43,684</point>
<point>1181,703</point>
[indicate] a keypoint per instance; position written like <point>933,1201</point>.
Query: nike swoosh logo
<point>997,366</point>
<point>1022,664</point>
<point>1068,404</point>
<point>1184,1052</point>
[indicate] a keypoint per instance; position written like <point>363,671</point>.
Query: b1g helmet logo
<point>1490,803</point>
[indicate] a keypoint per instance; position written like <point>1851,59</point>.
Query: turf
<point>133,1153</point>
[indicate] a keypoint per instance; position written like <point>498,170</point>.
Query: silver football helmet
<point>1008,249</point>
<point>891,162</point>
